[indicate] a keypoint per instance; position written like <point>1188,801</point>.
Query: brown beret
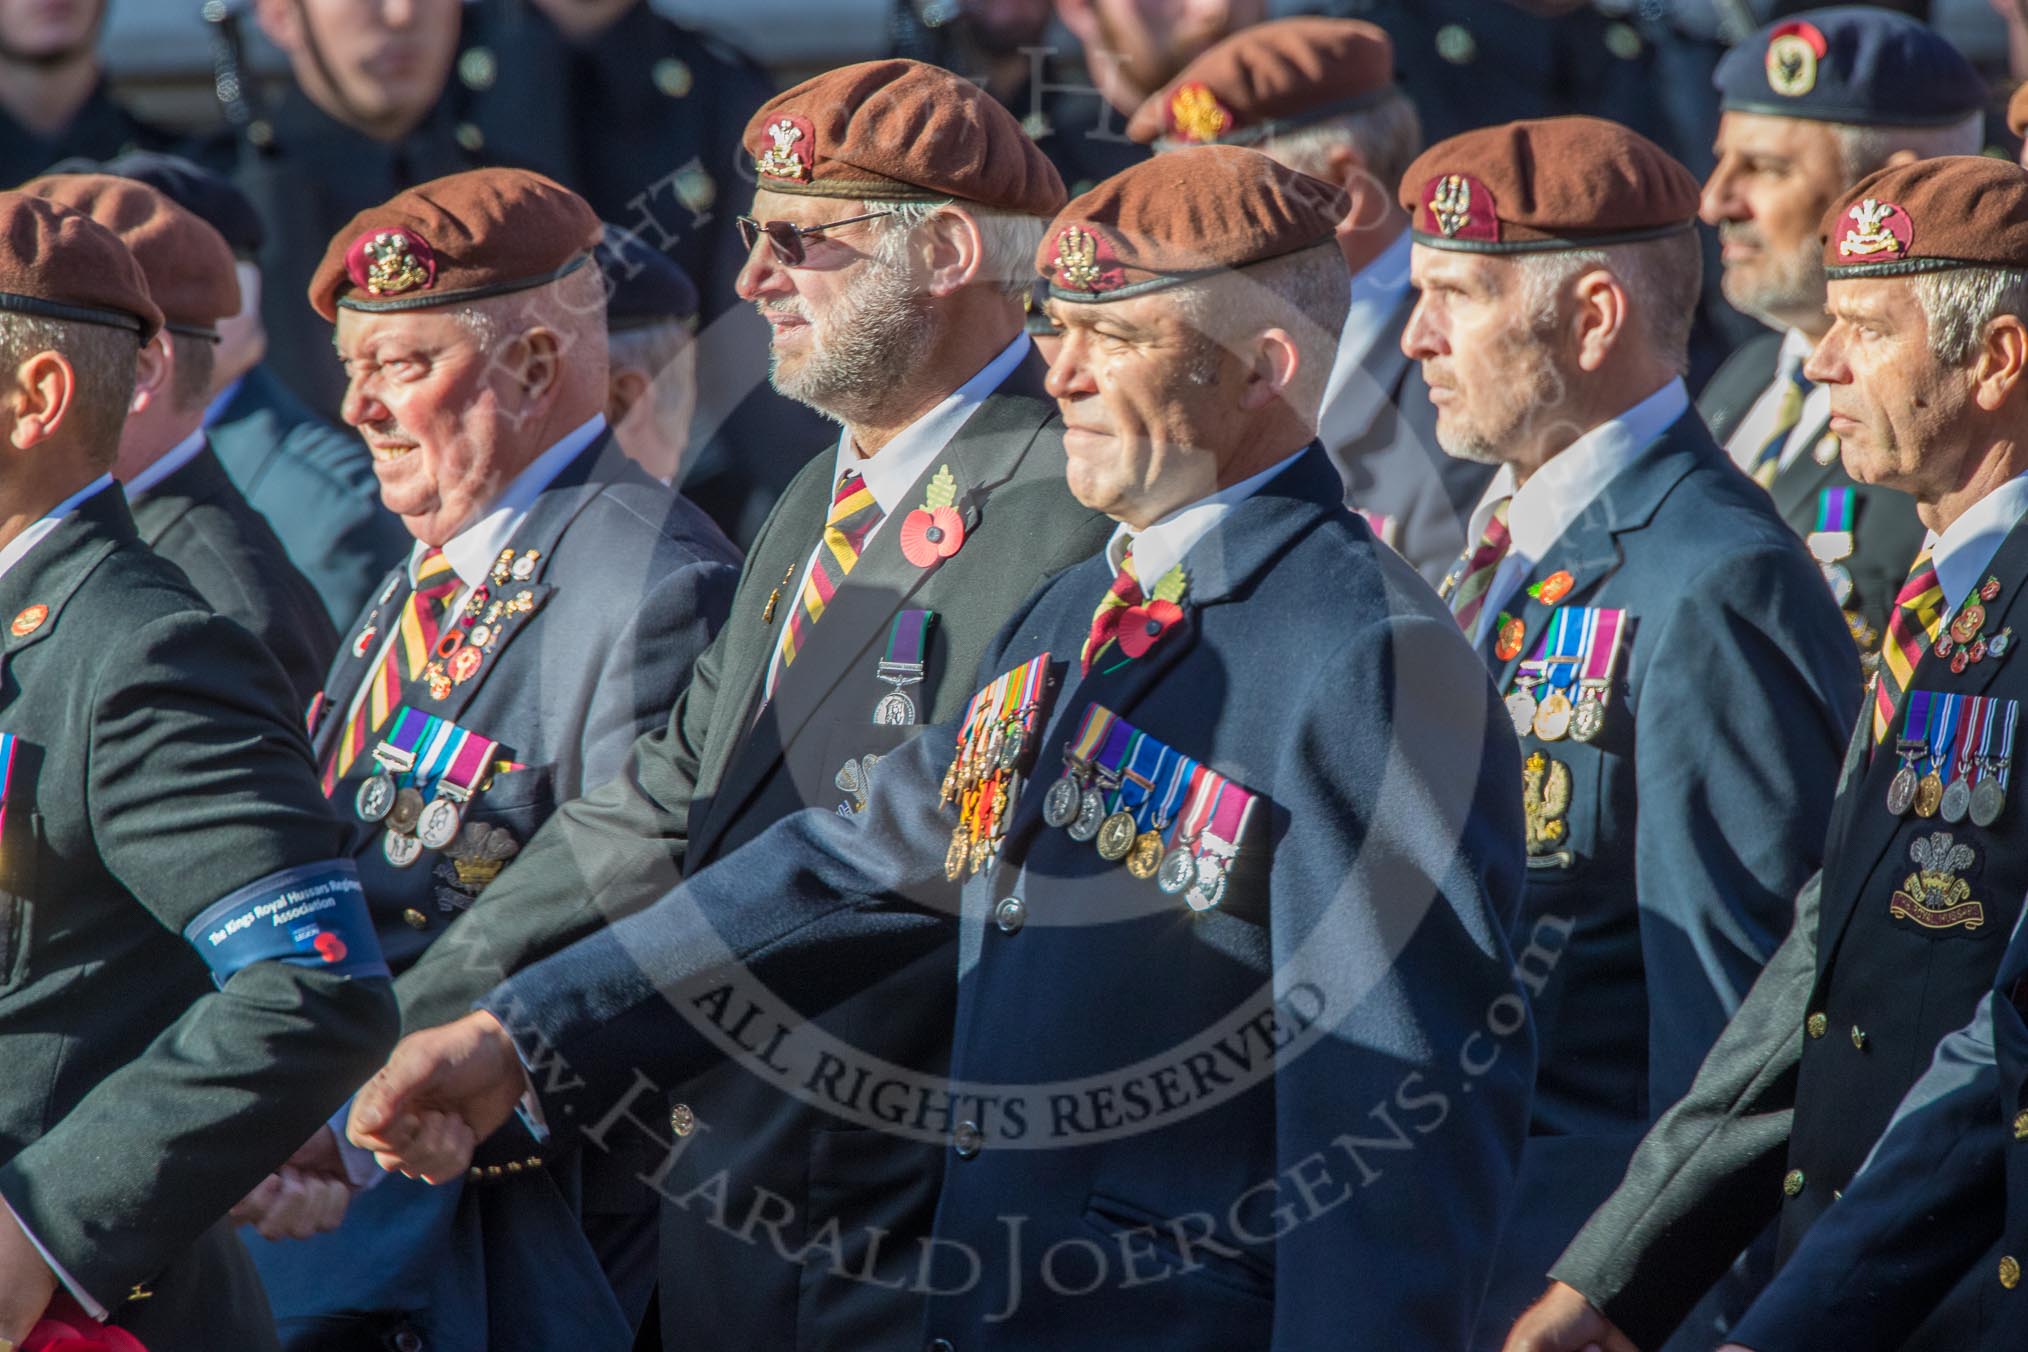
<point>1268,80</point>
<point>899,131</point>
<point>486,232</point>
<point>1958,211</point>
<point>2017,110</point>
<point>189,266</point>
<point>56,263</point>
<point>1556,183</point>
<point>1182,216</point>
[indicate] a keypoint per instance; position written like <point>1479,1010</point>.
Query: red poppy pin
<point>1141,627</point>
<point>1552,589</point>
<point>1512,634</point>
<point>934,531</point>
<point>64,1327</point>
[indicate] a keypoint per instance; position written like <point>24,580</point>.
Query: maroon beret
<point>1957,211</point>
<point>900,131</point>
<point>1268,80</point>
<point>486,232</point>
<point>1555,183</point>
<point>188,265</point>
<point>1182,216</point>
<point>57,263</point>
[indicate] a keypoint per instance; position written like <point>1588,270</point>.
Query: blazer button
<point>2010,1272</point>
<point>682,1119</point>
<point>408,1340</point>
<point>1010,915</point>
<point>1858,1037</point>
<point>2021,1126</point>
<point>1792,1185</point>
<point>968,1140</point>
<point>415,919</point>
<point>1818,1025</point>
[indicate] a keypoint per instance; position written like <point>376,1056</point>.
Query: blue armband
<point>313,915</point>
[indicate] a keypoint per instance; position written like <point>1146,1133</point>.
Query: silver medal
<point>1178,873</point>
<point>1840,579</point>
<point>1521,708</point>
<point>401,850</point>
<point>1209,889</point>
<point>1091,813</point>
<point>439,824</point>
<point>1957,801</point>
<point>1901,791</point>
<point>375,798</point>
<point>1587,720</point>
<point>894,710</point>
<point>1059,805</point>
<point>1987,801</point>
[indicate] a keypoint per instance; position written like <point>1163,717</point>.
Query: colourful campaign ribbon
<point>7,745</point>
<point>1137,775</point>
<point>1834,512</point>
<point>1173,774</point>
<point>1602,647</point>
<point>1941,731</point>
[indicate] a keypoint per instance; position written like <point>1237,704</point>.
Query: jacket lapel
<point>1797,485</point>
<point>200,480</point>
<point>35,591</point>
<point>1868,789</point>
<point>984,454</point>
<point>1589,548</point>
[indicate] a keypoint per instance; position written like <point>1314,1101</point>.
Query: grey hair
<point>1660,276</point>
<point>1861,150</point>
<point>1010,239</point>
<point>649,348</point>
<point>1387,136</point>
<point>190,380</point>
<point>104,359</point>
<point>1960,302</point>
<point>1306,293</point>
<point>568,305</point>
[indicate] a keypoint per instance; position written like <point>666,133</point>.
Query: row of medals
<point>412,825</point>
<point>1555,716</point>
<point>1962,644</point>
<point>1076,804</point>
<point>993,757</point>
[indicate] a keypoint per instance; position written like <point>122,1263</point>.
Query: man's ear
<point>626,386</point>
<point>957,252</point>
<point>1276,359</point>
<point>154,369</point>
<point>281,22</point>
<point>45,391</point>
<point>2002,363</point>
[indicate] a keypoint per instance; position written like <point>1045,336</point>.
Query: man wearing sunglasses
<point>890,238</point>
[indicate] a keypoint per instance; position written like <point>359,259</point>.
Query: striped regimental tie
<point>402,660</point>
<point>1767,461</point>
<point>1470,578</point>
<point>854,514</point>
<point>1918,615</point>
<point>1105,621</point>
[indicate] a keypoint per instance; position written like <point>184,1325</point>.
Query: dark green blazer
<point>198,521</point>
<point>315,485</point>
<point>160,767</point>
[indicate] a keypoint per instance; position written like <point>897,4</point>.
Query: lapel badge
<point>1793,51</point>
<point>934,531</point>
<point>367,633</point>
<point>1878,229</point>
<point>1545,795</point>
<point>29,620</point>
<point>1934,896</point>
<point>523,568</point>
<point>1826,449</point>
<point>1196,115</point>
<point>502,566</point>
<point>439,682</point>
<point>465,663</point>
<point>1513,634</point>
<point>791,140</point>
<point>1551,590</point>
<point>856,778</point>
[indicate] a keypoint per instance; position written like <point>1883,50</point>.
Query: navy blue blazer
<point>1210,1108</point>
<point>1694,816</point>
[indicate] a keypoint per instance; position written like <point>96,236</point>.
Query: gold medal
<point>1144,860</point>
<point>1116,836</point>
<point>1552,717</point>
<point>954,858</point>
<point>1929,795</point>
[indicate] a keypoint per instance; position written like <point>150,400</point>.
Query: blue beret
<point>643,285</point>
<point>1852,64</point>
<point>210,197</point>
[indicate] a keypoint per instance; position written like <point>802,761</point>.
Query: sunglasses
<point>785,238</point>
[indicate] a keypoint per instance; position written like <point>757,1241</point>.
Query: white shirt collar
<point>892,471</point>
<point>473,549</point>
<point>1558,493</point>
<point>1962,553</point>
<point>1167,542</point>
<point>17,548</point>
<point>175,458</point>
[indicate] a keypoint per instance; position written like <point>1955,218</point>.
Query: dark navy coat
<point>1202,1116</point>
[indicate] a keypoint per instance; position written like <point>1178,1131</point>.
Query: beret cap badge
<point>1462,208</point>
<point>1793,50</point>
<point>1879,230</point>
<point>1083,262</point>
<point>1195,114</point>
<point>390,262</point>
<point>789,154</point>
